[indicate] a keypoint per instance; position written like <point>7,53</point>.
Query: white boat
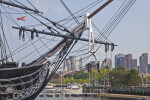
<point>73,89</point>
<point>49,89</point>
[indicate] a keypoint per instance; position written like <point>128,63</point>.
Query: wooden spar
<point>63,36</point>
<point>99,9</point>
<point>18,6</point>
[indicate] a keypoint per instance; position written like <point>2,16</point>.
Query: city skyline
<point>133,57</point>
<point>128,62</point>
<point>125,60</point>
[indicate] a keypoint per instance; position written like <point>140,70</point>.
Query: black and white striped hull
<point>23,83</point>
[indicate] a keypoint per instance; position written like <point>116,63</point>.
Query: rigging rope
<point>100,31</point>
<point>67,17</point>
<point>19,26</point>
<point>30,54</point>
<point>70,12</point>
<point>64,57</point>
<point>86,8</point>
<point>116,18</point>
<point>5,40</point>
<point>127,8</point>
<point>106,35</point>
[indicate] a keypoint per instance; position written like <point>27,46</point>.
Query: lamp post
<point>112,81</point>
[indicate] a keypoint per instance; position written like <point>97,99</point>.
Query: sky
<point>132,34</point>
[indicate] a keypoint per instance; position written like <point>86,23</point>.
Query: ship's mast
<point>99,9</point>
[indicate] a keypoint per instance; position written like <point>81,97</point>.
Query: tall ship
<point>29,62</point>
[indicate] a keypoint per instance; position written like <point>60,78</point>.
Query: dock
<point>98,95</point>
<point>68,95</point>
<point>118,90</point>
<point>121,96</point>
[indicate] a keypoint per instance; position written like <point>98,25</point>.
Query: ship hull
<point>23,83</point>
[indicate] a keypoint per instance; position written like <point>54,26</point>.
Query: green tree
<point>80,75</point>
<point>148,80</point>
<point>106,74</point>
<point>119,77</point>
<point>124,77</point>
<point>134,78</point>
<point>103,75</point>
<point>94,76</point>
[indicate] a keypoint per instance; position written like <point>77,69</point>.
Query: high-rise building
<point>129,64</point>
<point>73,63</point>
<point>149,68</point>
<point>93,64</point>
<point>107,62</point>
<point>68,64</point>
<point>127,61</point>
<point>144,63</point>
<point>119,60</point>
<point>80,64</point>
<point>64,67</point>
<point>134,63</point>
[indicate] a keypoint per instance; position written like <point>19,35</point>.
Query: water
<point>62,97</point>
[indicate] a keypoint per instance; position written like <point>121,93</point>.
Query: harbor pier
<point>121,96</point>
